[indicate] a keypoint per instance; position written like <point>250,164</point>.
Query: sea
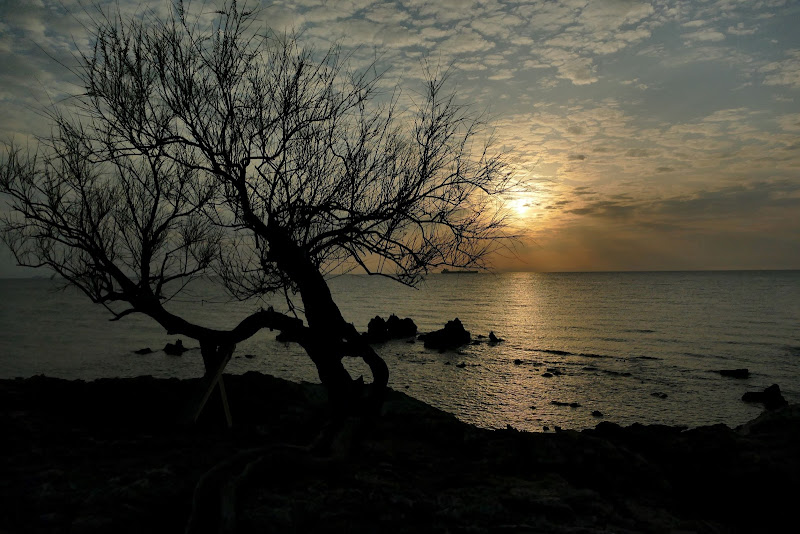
<point>577,349</point>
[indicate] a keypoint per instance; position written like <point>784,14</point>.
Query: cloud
<point>789,122</point>
<point>784,72</point>
<point>466,41</point>
<point>579,71</point>
<point>704,36</point>
<point>740,29</point>
<point>613,14</point>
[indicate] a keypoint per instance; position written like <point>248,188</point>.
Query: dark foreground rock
<point>108,456</point>
<point>771,397</point>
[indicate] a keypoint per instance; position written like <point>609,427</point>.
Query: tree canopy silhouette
<point>205,142</point>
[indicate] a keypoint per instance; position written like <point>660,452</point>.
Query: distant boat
<point>448,271</point>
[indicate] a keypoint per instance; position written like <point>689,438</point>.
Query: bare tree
<point>300,165</point>
<point>126,229</point>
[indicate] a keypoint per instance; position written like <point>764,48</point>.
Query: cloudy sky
<point>652,135</point>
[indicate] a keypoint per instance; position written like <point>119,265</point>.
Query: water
<point>638,347</point>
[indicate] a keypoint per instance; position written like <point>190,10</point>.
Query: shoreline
<point>106,456</point>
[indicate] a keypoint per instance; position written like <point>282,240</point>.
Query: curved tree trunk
<point>330,337</point>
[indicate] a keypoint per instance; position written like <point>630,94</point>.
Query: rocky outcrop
<point>452,336</point>
<point>380,330</point>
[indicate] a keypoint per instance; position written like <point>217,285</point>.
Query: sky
<point>649,135</point>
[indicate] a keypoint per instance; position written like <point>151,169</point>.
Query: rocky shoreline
<point>108,456</point>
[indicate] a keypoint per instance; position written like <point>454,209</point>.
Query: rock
<point>451,336</point>
<point>735,373</point>
<point>380,330</point>
<point>597,413</point>
<point>146,350</point>
<point>517,362</point>
<point>400,328</point>
<point>249,356</point>
<point>770,397</point>
<point>547,375</point>
<point>494,339</point>
<point>175,349</point>
<point>659,395</point>
<point>376,330</point>
<point>461,365</point>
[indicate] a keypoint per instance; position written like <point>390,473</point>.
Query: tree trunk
<point>330,336</point>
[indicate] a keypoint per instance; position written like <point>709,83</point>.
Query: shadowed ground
<point>106,456</point>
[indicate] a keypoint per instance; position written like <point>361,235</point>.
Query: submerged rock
<point>735,373</point>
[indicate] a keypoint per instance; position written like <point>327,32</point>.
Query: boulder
<point>146,350</point>
<point>451,336</point>
<point>771,397</point>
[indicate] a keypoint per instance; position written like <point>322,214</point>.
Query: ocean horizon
<point>634,346</point>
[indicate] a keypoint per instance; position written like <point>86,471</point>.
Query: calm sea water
<point>638,347</point>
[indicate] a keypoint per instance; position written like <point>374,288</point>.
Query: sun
<point>520,207</point>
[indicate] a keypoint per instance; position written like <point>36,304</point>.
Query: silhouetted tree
<point>282,159</point>
<point>123,228</point>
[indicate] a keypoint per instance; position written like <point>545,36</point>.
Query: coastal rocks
<point>735,373</point>
<point>146,350</point>
<point>175,349</point>
<point>380,330</point>
<point>451,336</point>
<point>770,397</point>
<point>415,469</point>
